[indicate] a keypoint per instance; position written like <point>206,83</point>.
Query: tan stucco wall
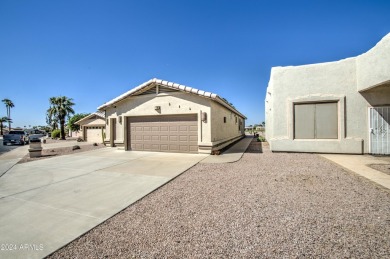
<point>222,132</point>
<point>210,133</point>
<point>171,104</point>
<point>338,81</point>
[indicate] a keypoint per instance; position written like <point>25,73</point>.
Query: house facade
<point>168,117</point>
<point>334,107</point>
<point>92,127</point>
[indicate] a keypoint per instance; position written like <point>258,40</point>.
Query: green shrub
<point>55,133</point>
<point>261,139</point>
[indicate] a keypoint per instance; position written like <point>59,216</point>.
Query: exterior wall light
<point>157,108</point>
<point>204,117</point>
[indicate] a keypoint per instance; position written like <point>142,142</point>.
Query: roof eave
<point>230,107</point>
<point>174,86</point>
<point>87,117</point>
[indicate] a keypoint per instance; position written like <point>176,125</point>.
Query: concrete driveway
<point>46,204</point>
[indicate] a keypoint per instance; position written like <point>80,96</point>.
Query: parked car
<point>19,137</point>
<point>36,135</point>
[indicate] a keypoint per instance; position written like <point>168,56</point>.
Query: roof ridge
<point>176,86</point>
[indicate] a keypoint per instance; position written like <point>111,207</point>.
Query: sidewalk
<point>233,154</point>
<point>359,165</point>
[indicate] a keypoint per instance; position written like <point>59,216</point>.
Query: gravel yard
<point>265,205</point>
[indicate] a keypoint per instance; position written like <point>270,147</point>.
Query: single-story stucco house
<point>164,116</point>
<point>92,127</point>
<point>334,107</point>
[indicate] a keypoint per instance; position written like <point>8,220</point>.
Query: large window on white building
<point>316,120</point>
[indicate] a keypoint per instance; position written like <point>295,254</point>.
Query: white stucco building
<point>334,107</point>
<point>164,116</point>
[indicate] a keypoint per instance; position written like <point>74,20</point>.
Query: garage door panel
<point>173,138</point>
<point>183,138</point>
<point>193,148</point>
<point>183,128</point>
<point>147,146</point>
<point>184,148</point>
<point>194,128</point>
<point>174,148</point>
<point>164,133</point>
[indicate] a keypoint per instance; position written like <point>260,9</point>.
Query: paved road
<point>47,203</point>
<point>4,149</point>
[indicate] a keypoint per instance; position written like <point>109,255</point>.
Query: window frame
<point>315,119</point>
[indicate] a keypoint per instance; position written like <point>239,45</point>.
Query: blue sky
<point>93,51</point>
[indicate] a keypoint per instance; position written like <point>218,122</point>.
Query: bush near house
<point>55,133</point>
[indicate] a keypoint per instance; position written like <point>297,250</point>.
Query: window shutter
<point>304,121</point>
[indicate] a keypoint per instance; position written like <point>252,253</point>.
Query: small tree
<point>71,122</point>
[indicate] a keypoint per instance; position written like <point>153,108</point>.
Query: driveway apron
<point>48,203</point>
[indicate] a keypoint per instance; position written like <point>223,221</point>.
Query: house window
<point>224,119</point>
<point>315,121</point>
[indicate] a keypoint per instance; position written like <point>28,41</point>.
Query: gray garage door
<point>173,133</point>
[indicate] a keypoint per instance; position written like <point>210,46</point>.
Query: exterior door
<point>380,130</point>
<point>112,131</point>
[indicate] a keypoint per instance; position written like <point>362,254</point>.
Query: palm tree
<point>60,108</point>
<point>8,104</point>
<point>51,116</point>
<point>2,120</point>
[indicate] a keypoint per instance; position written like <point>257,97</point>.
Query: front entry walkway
<point>232,154</point>
<point>359,165</point>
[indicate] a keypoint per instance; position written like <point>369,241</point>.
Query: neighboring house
<point>335,107</point>
<point>164,116</point>
<point>257,128</point>
<point>92,127</point>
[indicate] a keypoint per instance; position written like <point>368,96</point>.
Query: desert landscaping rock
<point>48,153</point>
<point>265,205</point>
